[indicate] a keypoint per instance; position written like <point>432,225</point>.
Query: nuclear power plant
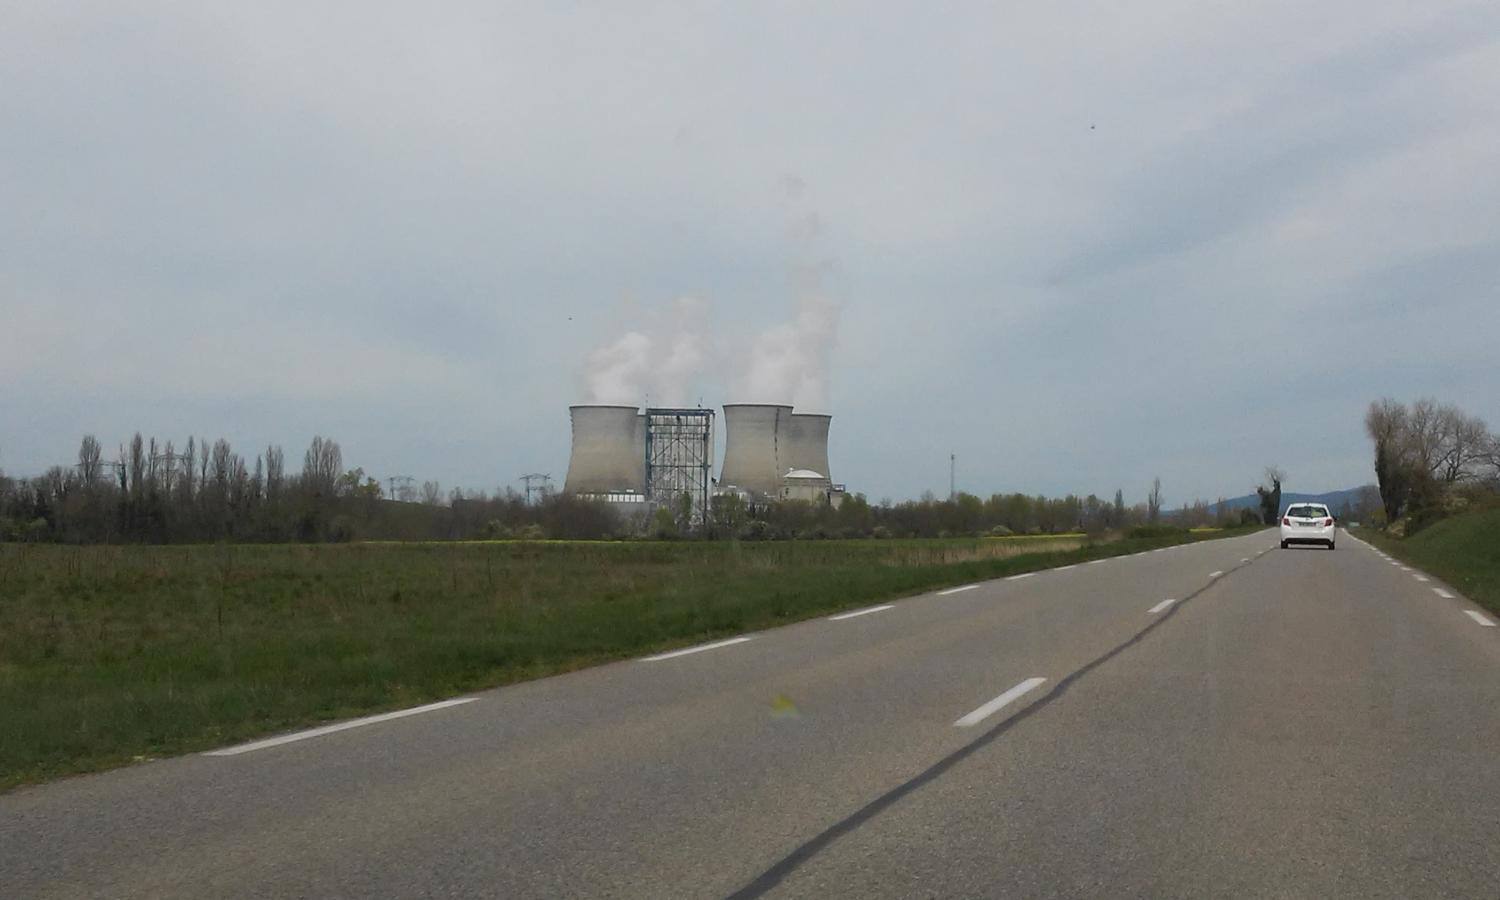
<point>771,453</point>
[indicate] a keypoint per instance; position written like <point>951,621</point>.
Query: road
<point>1294,723</point>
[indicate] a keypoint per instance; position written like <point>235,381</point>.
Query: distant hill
<point>1334,500</point>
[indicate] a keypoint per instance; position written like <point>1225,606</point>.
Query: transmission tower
<point>403,480</point>
<point>538,484</point>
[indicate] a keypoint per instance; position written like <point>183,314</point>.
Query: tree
<point>1153,502</point>
<point>88,460</point>
<point>432,493</point>
<point>1386,423</point>
<point>1270,495</point>
<point>322,465</point>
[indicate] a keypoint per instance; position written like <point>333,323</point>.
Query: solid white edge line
<point>995,705</point>
<point>957,590</point>
<point>1095,562</point>
<point>1480,618</point>
<point>330,729</point>
<point>861,612</point>
<point>1444,594</point>
<point>1019,577</point>
<point>698,649</point>
<point>1215,574</point>
<point>1161,606</point>
<point>1065,568</point>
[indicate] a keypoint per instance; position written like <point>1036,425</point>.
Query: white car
<point>1307,523</point>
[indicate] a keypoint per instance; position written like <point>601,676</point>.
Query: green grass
<point>113,654</point>
<point>1463,550</point>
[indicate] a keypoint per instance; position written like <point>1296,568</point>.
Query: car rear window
<point>1308,512</point>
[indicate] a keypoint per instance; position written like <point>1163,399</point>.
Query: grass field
<point>113,654</point>
<point>1463,551</point>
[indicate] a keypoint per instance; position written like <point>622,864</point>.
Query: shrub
<point>1155,531</point>
<point>1001,531</point>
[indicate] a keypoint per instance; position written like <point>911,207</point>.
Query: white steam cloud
<point>659,364</point>
<point>788,363</point>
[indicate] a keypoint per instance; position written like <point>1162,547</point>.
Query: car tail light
<point>1327,522</point>
<point>1285,520</point>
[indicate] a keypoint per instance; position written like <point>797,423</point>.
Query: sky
<point>1076,245</point>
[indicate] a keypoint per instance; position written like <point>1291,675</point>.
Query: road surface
<point>1219,719</point>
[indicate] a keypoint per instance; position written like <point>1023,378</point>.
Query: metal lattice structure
<point>679,459</point>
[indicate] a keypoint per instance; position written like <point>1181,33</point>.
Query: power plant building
<point>770,453</point>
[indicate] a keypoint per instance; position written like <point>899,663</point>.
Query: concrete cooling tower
<point>609,451</point>
<point>753,446</point>
<point>806,444</point>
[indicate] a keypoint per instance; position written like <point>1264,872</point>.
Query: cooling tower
<point>753,454</point>
<point>609,450</point>
<point>806,444</point>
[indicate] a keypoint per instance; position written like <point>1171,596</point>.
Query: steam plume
<point>661,362</point>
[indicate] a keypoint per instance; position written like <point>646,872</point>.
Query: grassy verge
<point>1463,551</point>
<point>113,654</point>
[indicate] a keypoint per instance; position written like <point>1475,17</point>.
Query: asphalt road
<point>1296,723</point>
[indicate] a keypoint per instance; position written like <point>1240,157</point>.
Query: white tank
<point>609,451</point>
<point>753,434</point>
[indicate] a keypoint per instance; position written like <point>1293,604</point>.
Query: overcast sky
<point>1078,245</point>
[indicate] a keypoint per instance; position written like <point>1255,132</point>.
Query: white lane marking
<point>1214,574</point>
<point>1406,568</point>
<point>995,705</point>
<point>1422,578</point>
<point>1065,568</point>
<point>861,612</point>
<point>1442,593</point>
<point>1095,562</point>
<point>698,649</point>
<point>1019,577</point>
<point>330,729</point>
<point>1479,618</point>
<point>1161,606</point>
<point>1246,559</point>
<point>957,590</point>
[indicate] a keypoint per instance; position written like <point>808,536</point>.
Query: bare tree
<point>321,467</point>
<point>88,460</point>
<point>432,493</point>
<point>1153,502</point>
<point>274,474</point>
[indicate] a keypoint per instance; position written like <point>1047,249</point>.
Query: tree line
<point>1431,459</point>
<point>152,492</point>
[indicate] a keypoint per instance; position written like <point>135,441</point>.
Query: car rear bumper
<point>1308,535</point>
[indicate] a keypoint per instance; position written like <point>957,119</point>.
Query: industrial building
<point>771,453</point>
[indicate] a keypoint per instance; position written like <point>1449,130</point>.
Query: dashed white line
<point>330,729</point>
<point>1480,618</point>
<point>957,590</point>
<point>1161,606</point>
<point>1422,578</point>
<point>995,705</point>
<point>1214,574</point>
<point>1019,577</point>
<point>1095,562</point>
<point>1406,568</point>
<point>1065,568</point>
<point>1442,593</point>
<point>698,649</point>
<point>861,612</point>
<point>1245,559</point>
